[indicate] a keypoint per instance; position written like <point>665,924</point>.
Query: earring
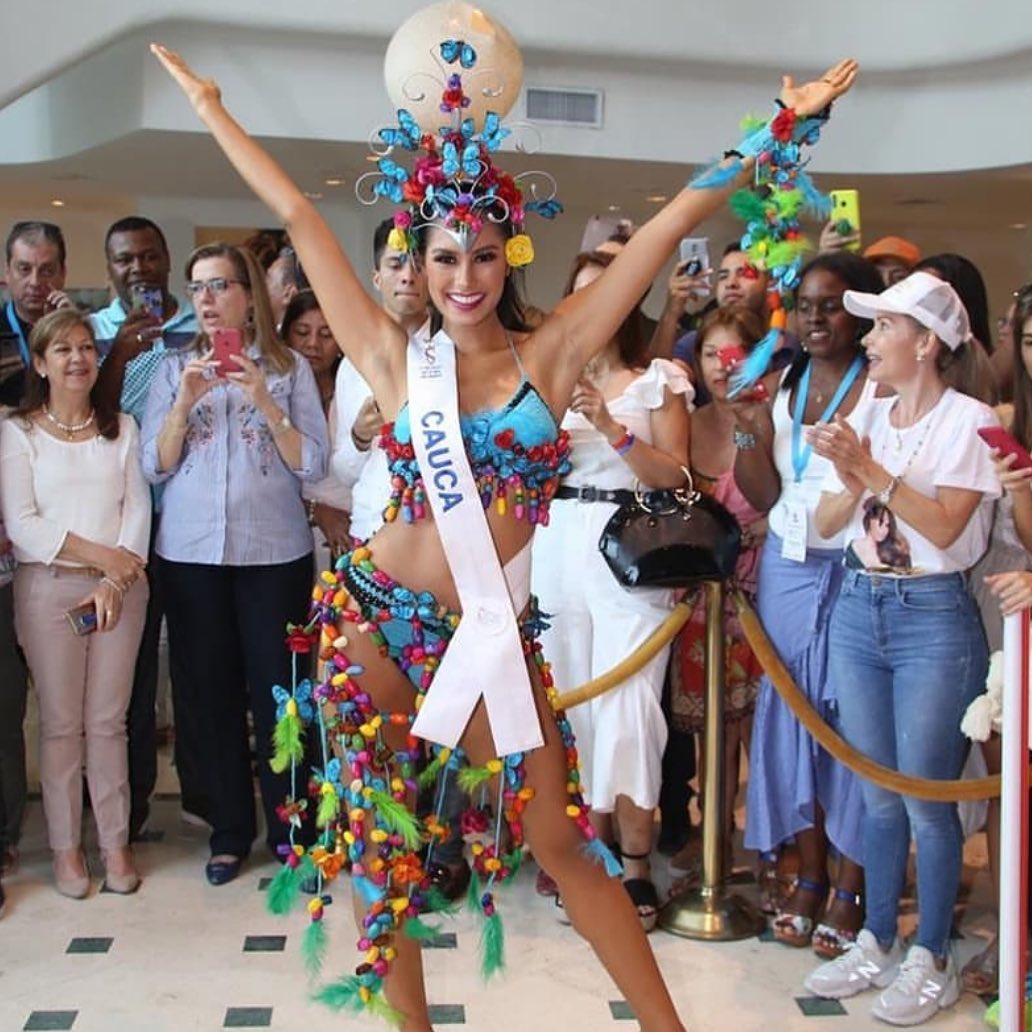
<point>920,357</point>
<point>43,376</point>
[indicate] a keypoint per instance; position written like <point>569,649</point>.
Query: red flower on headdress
<point>783,125</point>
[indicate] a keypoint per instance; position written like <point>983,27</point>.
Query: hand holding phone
<point>1006,444</point>
<point>845,215</point>
<point>694,255</point>
<point>227,341</point>
<point>149,299</point>
<point>83,618</point>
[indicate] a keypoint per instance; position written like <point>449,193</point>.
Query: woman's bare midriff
<point>412,554</point>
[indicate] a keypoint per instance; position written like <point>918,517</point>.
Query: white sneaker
<point>920,990</point>
<point>861,966</point>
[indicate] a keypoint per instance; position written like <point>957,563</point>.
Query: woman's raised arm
<point>588,318</point>
<point>366,334</point>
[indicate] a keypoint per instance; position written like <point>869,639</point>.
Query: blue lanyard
<point>800,454</point>
<point>23,345</point>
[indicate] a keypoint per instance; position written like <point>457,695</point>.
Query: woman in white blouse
<point>78,513</point>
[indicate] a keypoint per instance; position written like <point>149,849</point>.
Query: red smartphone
<point>226,342</point>
<point>83,618</point>
<point>1006,444</point>
<point>732,355</point>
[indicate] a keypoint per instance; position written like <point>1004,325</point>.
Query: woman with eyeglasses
<point>231,442</point>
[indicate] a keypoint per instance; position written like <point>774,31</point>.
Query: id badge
<point>793,545</point>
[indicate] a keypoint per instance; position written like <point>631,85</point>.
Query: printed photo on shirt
<point>882,547</point>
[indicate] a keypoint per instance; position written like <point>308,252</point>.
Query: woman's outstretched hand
<point>815,96</point>
<point>199,92</point>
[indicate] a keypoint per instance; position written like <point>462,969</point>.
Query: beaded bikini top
<point>517,454</point>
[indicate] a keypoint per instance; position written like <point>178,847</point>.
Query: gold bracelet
<point>280,426</point>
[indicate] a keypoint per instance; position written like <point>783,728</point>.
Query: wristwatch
<point>884,496</point>
<point>744,441</point>
<point>280,426</point>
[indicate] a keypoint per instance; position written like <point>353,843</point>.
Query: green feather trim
<point>340,995</point>
<point>380,1008</point>
<point>473,893</point>
<point>748,206</point>
<point>329,808</point>
<point>313,947</point>
<point>429,773</point>
<point>283,890</point>
<point>492,946</point>
<point>286,743</point>
<point>471,778</point>
<point>750,123</point>
<point>417,928</point>
<point>788,202</point>
<point>398,818</point>
<point>513,861</point>
<point>786,252</point>
<point>438,903</point>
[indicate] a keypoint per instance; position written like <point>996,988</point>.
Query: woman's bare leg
<point>598,906</point>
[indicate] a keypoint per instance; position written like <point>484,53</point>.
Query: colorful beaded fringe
<point>362,787</point>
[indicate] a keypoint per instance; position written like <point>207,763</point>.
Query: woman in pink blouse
<point>78,513</point>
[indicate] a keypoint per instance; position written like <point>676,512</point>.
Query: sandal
<point>795,929</point>
<point>643,894</point>
<point>981,974</point>
<point>829,940</point>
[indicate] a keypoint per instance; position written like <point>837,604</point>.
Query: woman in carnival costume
<point>473,442</point>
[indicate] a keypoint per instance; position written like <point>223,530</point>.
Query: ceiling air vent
<point>565,107</point>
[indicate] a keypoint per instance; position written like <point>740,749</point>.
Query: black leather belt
<point>620,496</point>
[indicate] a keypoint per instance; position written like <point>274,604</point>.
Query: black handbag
<point>670,539</point>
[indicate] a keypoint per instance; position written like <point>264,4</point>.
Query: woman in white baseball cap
<point>907,651</point>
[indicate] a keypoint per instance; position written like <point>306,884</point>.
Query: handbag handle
<point>684,496</point>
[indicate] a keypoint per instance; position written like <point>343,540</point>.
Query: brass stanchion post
<point>710,911</point>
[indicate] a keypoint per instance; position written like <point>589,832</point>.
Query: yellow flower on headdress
<point>397,240</point>
<point>519,250</point>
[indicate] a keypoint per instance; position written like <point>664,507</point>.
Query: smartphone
<point>732,355</point>
<point>694,255</point>
<point>845,212</point>
<point>150,299</point>
<point>1006,444</point>
<point>83,618</point>
<point>226,342</point>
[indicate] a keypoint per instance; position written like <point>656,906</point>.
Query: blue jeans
<point>906,656</point>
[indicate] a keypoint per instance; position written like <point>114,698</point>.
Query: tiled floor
<point>181,956</point>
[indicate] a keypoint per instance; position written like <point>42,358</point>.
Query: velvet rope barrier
<point>884,777</point>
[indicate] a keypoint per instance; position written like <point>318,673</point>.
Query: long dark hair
<point>37,388</point>
<point>856,273</point>
<point>1022,428</point>
<point>301,304</point>
<point>263,328</point>
<point>630,337</point>
<point>962,274</point>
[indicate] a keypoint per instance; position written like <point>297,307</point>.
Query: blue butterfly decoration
<point>331,775</point>
<point>546,209</point>
<point>468,163</point>
<point>393,176</point>
<point>453,50</point>
<point>407,134</point>
<point>443,199</point>
<point>494,132</point>
<point>302,696</point>
<point>407,603</point>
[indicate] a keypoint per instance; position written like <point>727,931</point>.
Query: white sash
<point>485,656</point>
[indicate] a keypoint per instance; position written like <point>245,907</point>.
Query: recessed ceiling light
<point>1018,225</point>
<point>57,203</point>
<point>657,198</point>
<point>313,195</point>
<point>334,181</point>
<point>614,207</point>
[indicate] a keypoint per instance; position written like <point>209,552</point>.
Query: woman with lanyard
<point>795,789</point>
<point>906,648</point>
<point>473,443</point>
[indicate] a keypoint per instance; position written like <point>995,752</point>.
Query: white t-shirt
<point>942,449</point>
